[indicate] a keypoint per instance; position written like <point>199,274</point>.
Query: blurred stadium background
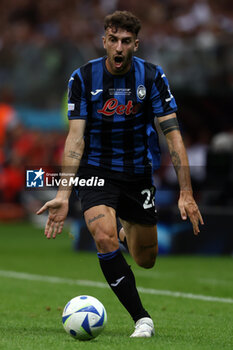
<point>42,42</point>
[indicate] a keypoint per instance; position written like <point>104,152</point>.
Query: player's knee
<point>106,240</point>
<point>147,258</point>
<point>147,263</point>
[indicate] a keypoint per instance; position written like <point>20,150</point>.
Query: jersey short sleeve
<point>163,102</point>
<point>77,103</point>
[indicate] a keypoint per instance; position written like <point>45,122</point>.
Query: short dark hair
<point>124,20</point>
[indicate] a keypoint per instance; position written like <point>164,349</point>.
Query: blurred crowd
<point>40,22</point>
<point>42,42</point>
<point>21,149</point>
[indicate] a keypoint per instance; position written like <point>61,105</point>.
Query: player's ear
<point>136,44</point>
<point>104,41</point>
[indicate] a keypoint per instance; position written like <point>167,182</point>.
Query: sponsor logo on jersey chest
<point>112,106</point>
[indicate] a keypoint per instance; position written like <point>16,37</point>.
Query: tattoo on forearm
<point>176,161</point>
<point>95,218</point>
<point>75,155</point>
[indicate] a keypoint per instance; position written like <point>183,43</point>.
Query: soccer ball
<point>84,317</point>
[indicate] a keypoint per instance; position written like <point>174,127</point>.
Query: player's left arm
<point>187,205</point>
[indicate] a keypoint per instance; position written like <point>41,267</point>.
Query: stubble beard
<point>125,65</point>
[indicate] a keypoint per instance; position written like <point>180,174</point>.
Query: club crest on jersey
<point>141,92</point>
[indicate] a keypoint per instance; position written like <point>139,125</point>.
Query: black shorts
<point>131,196</point>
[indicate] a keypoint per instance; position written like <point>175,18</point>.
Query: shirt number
<point>149,201</point>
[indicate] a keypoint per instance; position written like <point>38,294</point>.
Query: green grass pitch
<point>31,304</point>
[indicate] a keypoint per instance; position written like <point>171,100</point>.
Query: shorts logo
<point>35,178</point>
<point>141,92</point>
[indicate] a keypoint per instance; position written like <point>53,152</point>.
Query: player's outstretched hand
<point>188,208</point>
<point>58,210</point>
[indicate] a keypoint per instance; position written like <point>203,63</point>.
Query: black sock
<point>121,280</point>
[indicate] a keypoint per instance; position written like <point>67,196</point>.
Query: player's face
<point>120,46</point>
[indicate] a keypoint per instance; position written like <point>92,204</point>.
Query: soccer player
<point>113,101</point>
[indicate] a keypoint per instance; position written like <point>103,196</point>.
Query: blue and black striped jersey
<point>119,111</point>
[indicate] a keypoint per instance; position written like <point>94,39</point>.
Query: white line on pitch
<point>59,280</point>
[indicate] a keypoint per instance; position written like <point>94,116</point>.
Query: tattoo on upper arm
<point>75,155</point>
<point>95,218</point>
<point>176,161</point>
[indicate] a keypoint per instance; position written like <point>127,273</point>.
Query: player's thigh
<point>101,222</point>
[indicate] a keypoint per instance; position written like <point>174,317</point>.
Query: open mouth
<point>118,61</point>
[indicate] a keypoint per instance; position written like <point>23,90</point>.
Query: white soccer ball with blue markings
<point>84,317</point>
